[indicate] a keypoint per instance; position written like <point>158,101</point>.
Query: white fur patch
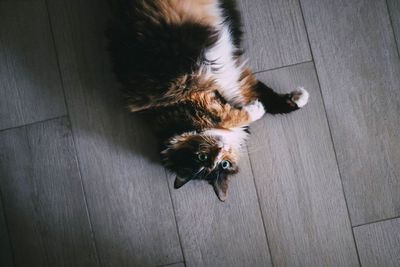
<point>300,97</point>
<point>233,138</point>
<point>224,68</point>
<point>256,110</point>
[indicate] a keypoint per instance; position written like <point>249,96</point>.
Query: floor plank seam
<point>93,237</point>
<point>282,67</point>
<point>7,227</point>
<point>392,26</point>
<point>259,206</point>
<point>330,132</point>
<point>33,123</point>
<point>176,221</point>
<point>377,221</point>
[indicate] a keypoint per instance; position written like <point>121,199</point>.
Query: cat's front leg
<point>255,110</point>
<point>233,117</point>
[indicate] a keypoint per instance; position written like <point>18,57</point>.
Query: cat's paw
<point>299,97</point>
<point>255,110</point>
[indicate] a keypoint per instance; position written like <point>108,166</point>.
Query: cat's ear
<point>179,182</point>
<point>221,187</point>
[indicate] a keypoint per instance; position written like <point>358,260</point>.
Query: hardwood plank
<point>394,11</point>
<point>6,258</point>
<point>221,234</point>
<point>379,243</point>
<point>127,191</point>
<point>43,197</point>
<point>181,264</point>
<point>30,88</point>
<point>359,69</point>
<point>275,35</point>
<point>298,181</point>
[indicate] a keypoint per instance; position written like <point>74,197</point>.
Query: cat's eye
<point>202,156</point>
<point>225,164</point>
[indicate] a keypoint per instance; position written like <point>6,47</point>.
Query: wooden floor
<point>79,180</point>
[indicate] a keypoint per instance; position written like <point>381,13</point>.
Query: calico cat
<point>181,66</point>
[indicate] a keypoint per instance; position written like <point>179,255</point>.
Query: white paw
<point>256,110</point>
<point>300,97</point>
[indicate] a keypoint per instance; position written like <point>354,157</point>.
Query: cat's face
<point>201,156</point>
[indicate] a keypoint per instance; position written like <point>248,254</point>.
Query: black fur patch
<point>155,52</point>
<point>273,102</point>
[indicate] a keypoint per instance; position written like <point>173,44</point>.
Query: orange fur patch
<point>202,93</point>
<point>234,117</point>
<point>231,117</point>
<point>248,81</point>
<point>179,11</point>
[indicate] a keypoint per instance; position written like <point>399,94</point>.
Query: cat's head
<point>204,156</point>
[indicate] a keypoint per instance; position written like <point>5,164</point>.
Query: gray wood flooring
<point>275,35</point>
<point>80,184</point>
<point>29,76</point>
<point>379,243</point>
<point>43,198</point>
<point>358,67</point>
<point>299,185</point>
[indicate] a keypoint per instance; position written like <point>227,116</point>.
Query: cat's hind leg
<point>275,103</point>
<point>252,90</point>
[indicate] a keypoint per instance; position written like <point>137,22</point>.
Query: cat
<point>181,66</point>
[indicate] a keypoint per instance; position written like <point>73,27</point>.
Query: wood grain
<point>274,33</point>
<point>43,197</point>
<point>359,69</point>
<point>379,243</point>
<point>221,234</point>
<point>298,181</point>
<point>30,84</point>
<point>394,11</point>
<point>6,257</point>
<point>127,192</point>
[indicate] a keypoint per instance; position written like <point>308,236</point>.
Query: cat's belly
<point>225,65</point>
